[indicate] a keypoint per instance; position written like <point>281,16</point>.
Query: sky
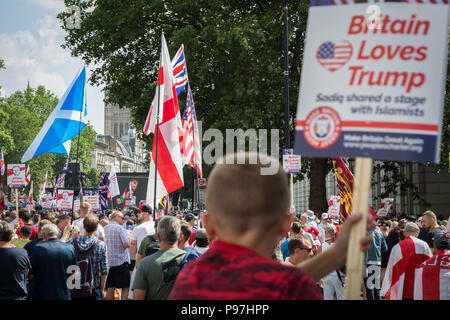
<point>30,45</point>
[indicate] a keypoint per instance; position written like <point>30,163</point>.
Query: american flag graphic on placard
<point>333,56</point>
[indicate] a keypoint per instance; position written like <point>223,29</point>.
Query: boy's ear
<point>285,224</point>
<point>208,224</point>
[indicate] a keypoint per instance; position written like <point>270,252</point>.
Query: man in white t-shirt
<point>145,228</point>
<point>85,209</point>
<point>325,220</point>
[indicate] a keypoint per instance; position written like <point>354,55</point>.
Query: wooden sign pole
<point>17,202</point>
<point>292,188</point>
<point>361,189</point>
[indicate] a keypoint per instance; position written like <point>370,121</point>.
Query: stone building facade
<point>119,146</point>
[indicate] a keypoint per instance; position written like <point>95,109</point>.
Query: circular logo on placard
<point>322,127</point>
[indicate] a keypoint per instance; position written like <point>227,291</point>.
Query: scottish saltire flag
<point>103,191</point>
<point>179,70</point>
<point>190,145</point>
<point>65,122</point>
<point>2,164</point>
<point>169,171</point>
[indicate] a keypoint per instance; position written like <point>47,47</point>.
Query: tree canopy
<point>234,55</point>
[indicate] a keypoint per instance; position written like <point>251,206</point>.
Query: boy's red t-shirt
<point>231,272</point>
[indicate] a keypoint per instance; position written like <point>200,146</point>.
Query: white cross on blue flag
<point>65,122</point>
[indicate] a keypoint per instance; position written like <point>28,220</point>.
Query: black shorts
<point>132,264</point>
<point>119,277</point>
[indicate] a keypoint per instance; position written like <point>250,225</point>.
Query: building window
<point>121,129</point>
<point>115,130</point>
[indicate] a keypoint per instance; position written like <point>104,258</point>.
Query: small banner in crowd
<point>16,176</point>
<point>65,200</point>
<point>92,197</point>
<point>292,163</point>
<point>334,207</point>
<point>385,206</point>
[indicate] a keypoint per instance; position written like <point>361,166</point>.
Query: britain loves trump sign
<point>373,80</point>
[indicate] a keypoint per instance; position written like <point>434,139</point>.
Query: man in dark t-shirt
<point>248,204</point>
<point>50,261</point>
<point>14,266</point>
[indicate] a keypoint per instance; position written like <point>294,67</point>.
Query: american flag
<point>103,190</point>
<point>63,174</point>
<point>2,164</point>
<point>333,56</point>
<point>190,135</point>
<point>179,70</point>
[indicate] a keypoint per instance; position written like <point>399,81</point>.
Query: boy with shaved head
<point>248,213</point>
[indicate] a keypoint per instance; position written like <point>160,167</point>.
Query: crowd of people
<point>250,244</point>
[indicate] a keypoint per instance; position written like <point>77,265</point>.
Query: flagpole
<point>157,135</point>
<point>193,142</point>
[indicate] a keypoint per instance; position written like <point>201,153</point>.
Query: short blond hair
<point>114,214</point>
<point>85,206</point>
<point>430,214</point>
<point>239,197</point>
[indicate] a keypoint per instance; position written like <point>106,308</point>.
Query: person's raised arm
<point>335,257</point>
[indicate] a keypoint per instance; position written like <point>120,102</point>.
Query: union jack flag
<point>27,176</point>
<point>179,70</point>
<point>63,174</point>
<point>191,141</point>
<point>103,190</point>
<point>2,164</point>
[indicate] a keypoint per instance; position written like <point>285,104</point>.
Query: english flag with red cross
<point>168,133</point>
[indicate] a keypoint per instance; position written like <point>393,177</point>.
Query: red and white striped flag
<point>405,258</point>
<point>27,176</point>
<point>170,166</point>
<point>432,279</point>
<point>42,191</point>
<point>190,146</point>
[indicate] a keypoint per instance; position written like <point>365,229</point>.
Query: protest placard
<point>47,201</point>
<point>65,200</point>
<point>385,206</point>
<point>16,176</point>
<point>372,86</point>
<point>334,207</point>
<point>292,163</point>
<point>373,81</point>
<point>92,197</point>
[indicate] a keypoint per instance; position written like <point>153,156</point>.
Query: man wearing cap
<point>145,228</point>
<point>26,217</point>
<point>321,226</point>
<point>432,279</point>
<point>190,218</point>
<point>310,223</point>
<point>405,258</point>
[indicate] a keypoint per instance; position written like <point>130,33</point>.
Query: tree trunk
<point>318,192</point>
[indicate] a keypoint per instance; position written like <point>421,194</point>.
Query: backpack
<point>171,269</point>
<point>86,271</point>
<point>153,245</point>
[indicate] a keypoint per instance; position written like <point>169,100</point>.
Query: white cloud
<point>36,56</point>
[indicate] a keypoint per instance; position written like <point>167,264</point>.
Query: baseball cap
<point>324,216</point>
<point>189,217</point>
<point>411,227</point>
<point>310,213</point>
<point>411,218</point>
<point>442,240</point>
